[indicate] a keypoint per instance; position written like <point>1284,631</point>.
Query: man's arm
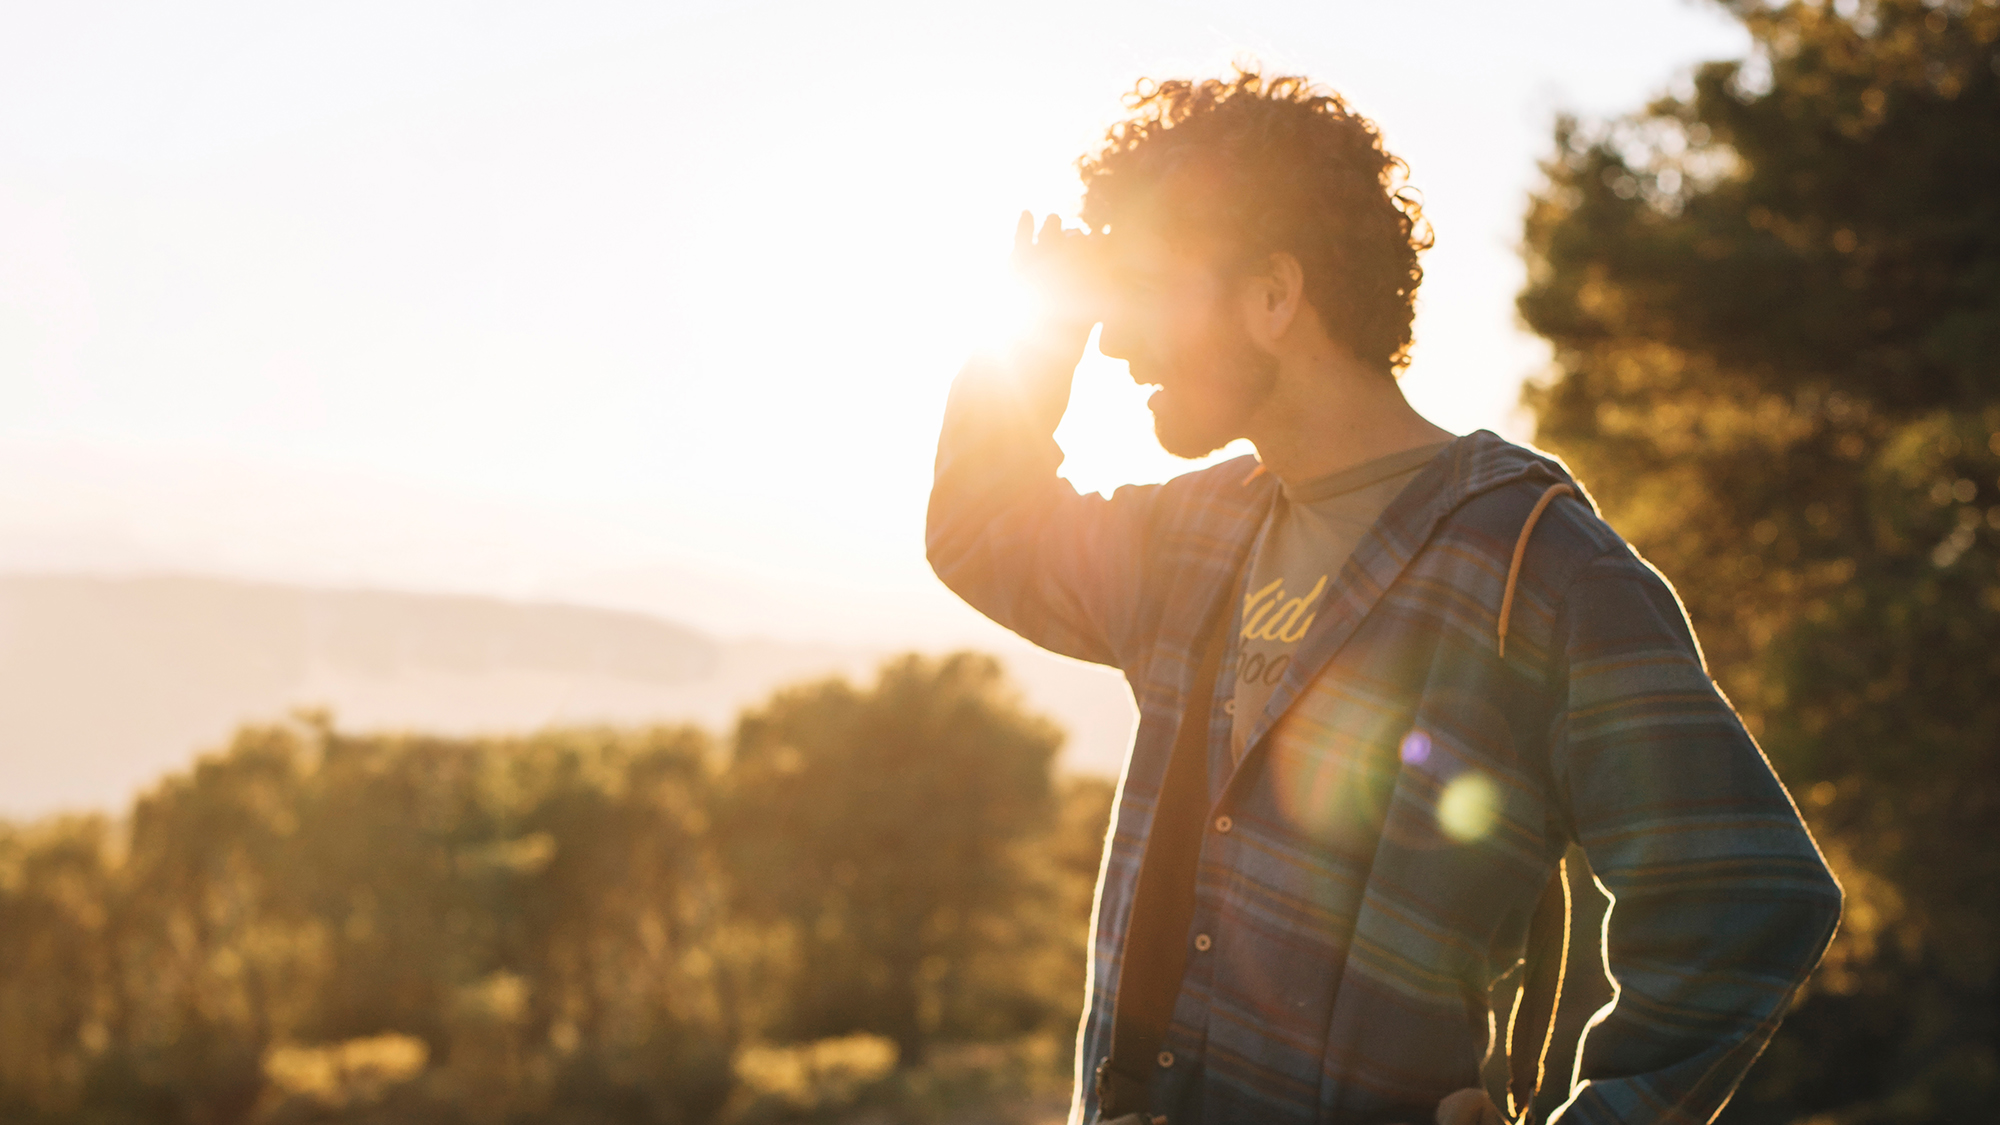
<point>1005,532</point>
<point>1721,902</point>
<point>1014,539</point>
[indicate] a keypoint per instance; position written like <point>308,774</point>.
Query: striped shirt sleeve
<point>1721,902</point>
<point>1018,543</point>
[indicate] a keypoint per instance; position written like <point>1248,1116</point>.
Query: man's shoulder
<point>1219,495</point>
<point>1504,489</point>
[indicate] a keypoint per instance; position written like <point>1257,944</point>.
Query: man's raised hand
<point>1065,292</point>
<point>1058,273</point>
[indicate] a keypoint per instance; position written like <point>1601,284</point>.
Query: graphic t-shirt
<point>1311,531</point>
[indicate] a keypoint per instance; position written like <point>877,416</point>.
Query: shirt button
<point>1202,943</point>
<point>1223,824</point>
<point>1229,706</point>
<point>1166,1058</point>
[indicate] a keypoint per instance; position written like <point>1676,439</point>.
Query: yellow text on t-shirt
<point>1268,615</point>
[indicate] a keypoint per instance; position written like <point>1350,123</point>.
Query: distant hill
<point>105,683</point>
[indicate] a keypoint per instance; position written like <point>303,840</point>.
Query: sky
<point>649,305</point>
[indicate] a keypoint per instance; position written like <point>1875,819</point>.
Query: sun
<point>1107,433</point>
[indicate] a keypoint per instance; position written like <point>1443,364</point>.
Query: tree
<point>55,886</point>
<point>884,828</point>
<point>576,927</point>
<point>1775,306</point>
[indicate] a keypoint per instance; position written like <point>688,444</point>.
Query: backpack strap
<point>1531,1026</point>
<point>1520,551</point>
<point>1154,958</point>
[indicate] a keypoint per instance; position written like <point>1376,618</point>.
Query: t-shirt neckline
<point>1360,476</point>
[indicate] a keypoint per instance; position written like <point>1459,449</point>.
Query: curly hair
<point>1260,165</point>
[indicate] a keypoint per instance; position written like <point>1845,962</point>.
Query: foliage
<point>577,927</point>
<point>1775,306</point>
<point>880,829</point>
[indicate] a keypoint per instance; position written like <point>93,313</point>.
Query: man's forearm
<point>1015,540</point>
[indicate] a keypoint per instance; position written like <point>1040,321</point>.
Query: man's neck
<point>1333,414</point>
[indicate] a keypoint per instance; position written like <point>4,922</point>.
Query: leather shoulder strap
<point>1156,936</point>
<point>1533,1024</point>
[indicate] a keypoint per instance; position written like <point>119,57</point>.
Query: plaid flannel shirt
<point>1369,868</point>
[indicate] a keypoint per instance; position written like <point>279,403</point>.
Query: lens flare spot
<point>1468,807</point>
<point>1416,748</point>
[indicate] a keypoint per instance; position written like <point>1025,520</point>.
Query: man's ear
<point>1275,294</point>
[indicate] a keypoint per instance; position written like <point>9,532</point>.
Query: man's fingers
<point>1055,264</point>
<point>1469,1106</point>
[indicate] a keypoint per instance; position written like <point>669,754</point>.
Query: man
<point>1401,673</point>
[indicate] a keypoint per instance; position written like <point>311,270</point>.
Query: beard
<point>1207,404</point>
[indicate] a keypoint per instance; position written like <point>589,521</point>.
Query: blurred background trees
<point>579,926</point>
<point>885,831</point>
<point>1775,305</point>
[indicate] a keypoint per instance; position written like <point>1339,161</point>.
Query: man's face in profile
<point>1178,320</point>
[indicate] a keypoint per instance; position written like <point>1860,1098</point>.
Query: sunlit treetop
<point>1820,216</point>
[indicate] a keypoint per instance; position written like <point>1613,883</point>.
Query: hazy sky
<point>653,305</point>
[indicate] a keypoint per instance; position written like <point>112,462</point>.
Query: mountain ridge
<point>107,682</point>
